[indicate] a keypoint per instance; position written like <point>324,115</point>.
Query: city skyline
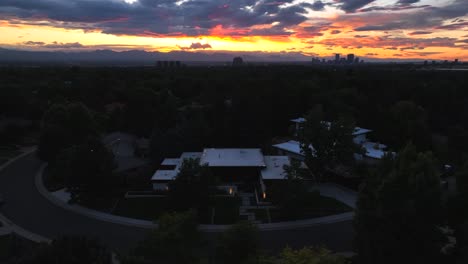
<point>379,29</point>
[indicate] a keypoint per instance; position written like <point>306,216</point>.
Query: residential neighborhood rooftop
<point>357,130</point>
<point>164,175</point>
<point>360,131</point>
<point>243,157</point>
<point>275,167</point>
<point>171,162</point>
<point>374,150</point>
<point>292,146</point>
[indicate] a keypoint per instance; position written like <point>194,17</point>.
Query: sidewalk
<point>57,200</point>
<point>26,151</point>
<point>9,227</point>
<point>338,192</point>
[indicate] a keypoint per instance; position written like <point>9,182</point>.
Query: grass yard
<point>146,208</point>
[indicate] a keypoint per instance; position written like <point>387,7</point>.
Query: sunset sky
<point>425,29</point>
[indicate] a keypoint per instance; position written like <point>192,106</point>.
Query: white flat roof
<point>232,158</point>
<point>164,175</point>
<point>292,146</point>
<point>360,131</point>
<point>171,162</point>
<point>275,167</point>
<point>298,120</point>
<point>374,150</point>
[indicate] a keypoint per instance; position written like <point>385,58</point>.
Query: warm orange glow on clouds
<point>425,29</point>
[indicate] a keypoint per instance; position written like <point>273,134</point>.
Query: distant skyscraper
<point>237,61</point>
<point>350,58</point>
<point>337,57</point>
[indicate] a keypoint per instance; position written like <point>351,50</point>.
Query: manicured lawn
<point>317,206</point>
<point>147,208</point>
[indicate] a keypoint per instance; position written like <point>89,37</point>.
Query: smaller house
<point>373,151</point>
<point>125,148</point>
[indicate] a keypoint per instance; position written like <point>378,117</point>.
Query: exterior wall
<point>359,139</point>
<point>160,186</point>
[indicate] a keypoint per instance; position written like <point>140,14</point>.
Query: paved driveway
<point>26,207</point>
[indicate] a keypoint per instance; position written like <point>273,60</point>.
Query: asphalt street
<point>26,207</point>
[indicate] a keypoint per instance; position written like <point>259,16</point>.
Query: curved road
<point>26,207</point>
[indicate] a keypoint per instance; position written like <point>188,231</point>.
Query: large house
<point>235,168</point>
<point>373,151</point>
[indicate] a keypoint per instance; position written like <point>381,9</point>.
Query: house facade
<point>244,168</point>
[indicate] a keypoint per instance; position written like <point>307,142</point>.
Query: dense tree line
<point>247,106</point>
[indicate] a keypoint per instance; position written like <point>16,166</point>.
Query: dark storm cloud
<point>53,45</point>
<point>352,5</point>
<point>154,17</point>
<point>428,17</point>
<point>196,45</point>
<point>414,33</point>
<point>407,2</point>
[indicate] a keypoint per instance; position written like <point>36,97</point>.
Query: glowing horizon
<point>381,29</point>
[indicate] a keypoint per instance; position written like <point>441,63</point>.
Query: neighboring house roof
<point>291,146</point>
<point>171,162</point>
<point>357,130</point>
<point>164,175</point>
<point>275,167</point>
<point>232,158</point>
<point>191,155</point>
<point>298,120</point>
<point>374,150</point>
<point>360,131</point>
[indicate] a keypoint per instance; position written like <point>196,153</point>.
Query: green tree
<point>175,241</point>
<point>239,244</point>
<point>292,196</point>
<point>309,255</point>
<point>70,249</point>
<point>64,126</point>
<point>399,211</point>
<point>327,144</point>
<point>191,187</point>
<point>409,124</point>
<point>86,169</point>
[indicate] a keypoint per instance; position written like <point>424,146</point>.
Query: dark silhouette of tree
<point>175,241</point>
<point>191,188</point>
<point>86,169</point>
<point>64,126</point>
<point>238,244</point>
<point>399,212</point>
<point>327,144</point>
<point>70,249</point>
